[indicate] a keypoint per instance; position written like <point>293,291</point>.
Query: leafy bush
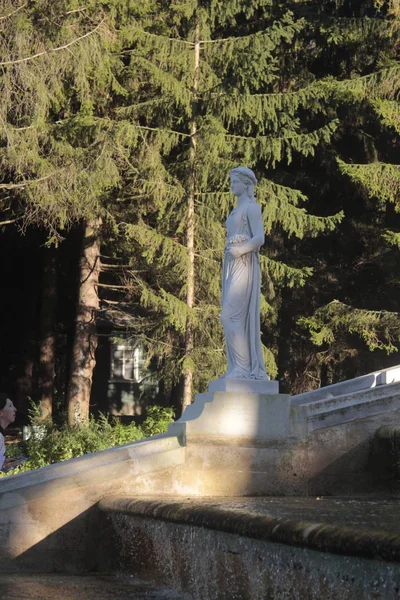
<point>49,444</point>
<point>157,420</point>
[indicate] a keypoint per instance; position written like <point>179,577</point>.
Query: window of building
<point>126,362</point>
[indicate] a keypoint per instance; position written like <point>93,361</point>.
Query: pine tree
<point>85,338</point>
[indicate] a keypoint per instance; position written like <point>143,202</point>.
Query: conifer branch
<point>385,72</point>
<point>114,287</point>
<point>359,20</point>
<point>167,81</point>
<point>258,104</point>
<point>280,271</point>
<point>76,10</point>
<point>258,34</point>
<point>14,12</point>
<point>23,128</point>
<point>378,328</point>
<point>122,110</point>
<point>162,130</point>
<point>213,193</point>
<point>23,184</point>
<point>378,179</point>
<point>157,341</point>
<point>9,221</point>
<point>289,136</point>
<point>314,86</point>
<point>159,36</point>
<point>392,238</point>
<point>275,28</point>
<point>105,266</point>
<point>8,63</point>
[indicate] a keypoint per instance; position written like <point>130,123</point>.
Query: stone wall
<point>47,516</point>
<point>234,444</point>
<point>212,552</point>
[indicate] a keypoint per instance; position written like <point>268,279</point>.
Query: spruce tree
<point>209,90</point>
<point>353,308</point>
<point>59,150</point>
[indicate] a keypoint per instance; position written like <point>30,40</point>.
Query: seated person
<point>7,416</point>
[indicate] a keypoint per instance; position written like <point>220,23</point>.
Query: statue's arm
<point>256,225</point>
<point>257,231</point>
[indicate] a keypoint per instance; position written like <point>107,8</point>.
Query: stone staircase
<point>247,441</point>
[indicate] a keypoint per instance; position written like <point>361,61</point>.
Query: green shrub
<point>157,420</point>
<point>50,444</point>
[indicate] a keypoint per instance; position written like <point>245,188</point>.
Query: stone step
<point>348,407</point>
<point>259,547</point>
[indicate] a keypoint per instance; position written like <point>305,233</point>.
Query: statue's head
<point>246,180</point>
<point>245,175</point>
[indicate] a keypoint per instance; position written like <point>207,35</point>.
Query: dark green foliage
<point>245,112</point>
<point>380,330</point>
<point>352,306</point>
<point>59,144</point>
<point>49,444</point>
<point>305,93</point>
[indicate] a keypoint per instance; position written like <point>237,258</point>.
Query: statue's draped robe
<point>240,315</point>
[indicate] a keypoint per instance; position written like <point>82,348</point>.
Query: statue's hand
<point>236,251</point>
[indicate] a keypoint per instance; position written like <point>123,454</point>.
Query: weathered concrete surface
<point>259,549</point>
<point>386,457</point>
<point>358,384</point>
<point>81,587</point>
<point>236,414</point>
<point>271,444</point>
<point>240,444</point>
<point>45,515</point>
<point>362,526</point>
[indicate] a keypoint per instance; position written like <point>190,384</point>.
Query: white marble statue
<point>240,314</point>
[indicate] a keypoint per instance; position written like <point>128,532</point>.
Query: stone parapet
<point>330,411</point>
<point>350,386</point>
<point>45,514</point>
<point>134,458</point>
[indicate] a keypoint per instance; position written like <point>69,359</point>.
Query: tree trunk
<point>23,382</point>
<point>189,343</point>
<point>285,350</point>
<point>85,341</point>
<point>47,351</point>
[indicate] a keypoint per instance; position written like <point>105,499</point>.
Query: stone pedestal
<point>234,435</point>
<point>243,439</point>
<point>251,386</point>
<point>237,407</point>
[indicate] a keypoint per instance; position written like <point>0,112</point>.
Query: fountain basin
<point>259,548</point>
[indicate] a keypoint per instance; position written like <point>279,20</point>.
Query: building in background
<point>123,385</point>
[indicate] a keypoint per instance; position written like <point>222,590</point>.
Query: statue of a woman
<point>240,315</point>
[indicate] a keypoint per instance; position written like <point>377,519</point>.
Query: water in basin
<point>80,587</point>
